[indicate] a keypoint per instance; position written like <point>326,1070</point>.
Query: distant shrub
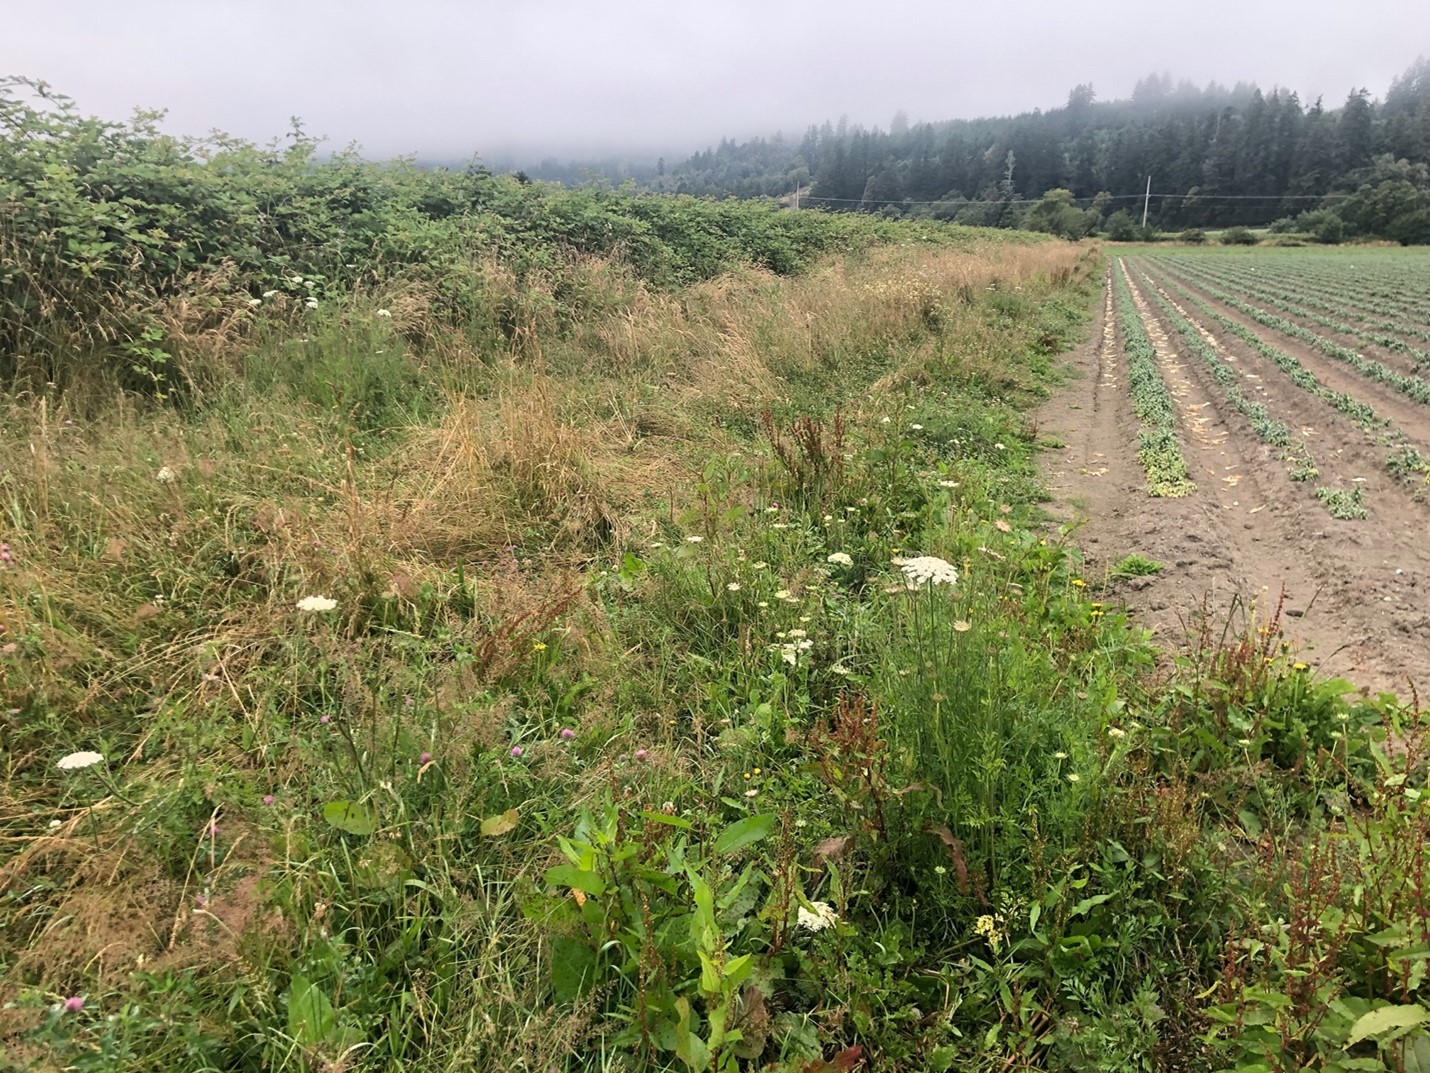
<point>1323,225</point>
<point>1331,230</point>
<point>1194,235</point>
<point>1239,236</point>
<point>1284,226</point>
<point>1412,229</point>
<point>1121,227</point>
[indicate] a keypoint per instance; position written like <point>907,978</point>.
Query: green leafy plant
<point>1135,565</point>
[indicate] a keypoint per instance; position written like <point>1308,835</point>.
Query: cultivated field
<point>1260,421</point>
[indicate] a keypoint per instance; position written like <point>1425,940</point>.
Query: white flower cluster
<point>819,916</point>
<point>77,761</point>
<point>924,570</point>
<point>790,652</point>
<point>317,603</point>
<point>840,558</point>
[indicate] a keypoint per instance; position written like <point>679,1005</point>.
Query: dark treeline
<point>1217,157</point>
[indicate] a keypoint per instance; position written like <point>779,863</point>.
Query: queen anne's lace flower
<point>317,603</point>
<point>840,558</point>
<point>819,916</point>
<point>924,570</point>
<point>76,761</point>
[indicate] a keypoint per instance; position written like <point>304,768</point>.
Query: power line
<point>1111,197</point>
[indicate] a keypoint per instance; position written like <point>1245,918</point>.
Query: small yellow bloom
<point>1299,667</point>
<point>1079,583</point>
<point>540,646</point>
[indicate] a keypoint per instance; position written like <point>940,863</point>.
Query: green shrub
<point>1239,236</point>
<point>1121,226</point>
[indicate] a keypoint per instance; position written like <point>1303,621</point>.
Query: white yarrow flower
<point>255,302</point>
<point>924,570</point>
<point>165,475</point>
<point>840,558</point>
<point>694,539</point>
<point>790,653</point>
<point>78,761</point>
<point>311,303</point>
<point>384,313</point>
<point>269,294</point>
<point>317,603</point>
<point>821,915</point>
<point>734,586</point>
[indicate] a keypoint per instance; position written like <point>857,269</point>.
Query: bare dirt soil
<point>1357,593</point>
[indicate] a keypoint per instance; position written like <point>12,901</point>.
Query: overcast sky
<point>446,78</point>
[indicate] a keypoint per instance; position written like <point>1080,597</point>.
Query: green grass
<point>642,722</point>
<point>1136,565</point>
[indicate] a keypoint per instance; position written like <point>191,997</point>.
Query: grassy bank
<point>644,673</point>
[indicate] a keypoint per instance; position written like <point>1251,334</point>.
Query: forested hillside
<point>1217,156</point>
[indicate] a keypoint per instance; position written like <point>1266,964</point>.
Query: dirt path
<point>1357,593</point>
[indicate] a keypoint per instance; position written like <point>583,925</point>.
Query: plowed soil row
<point>1356,592</point>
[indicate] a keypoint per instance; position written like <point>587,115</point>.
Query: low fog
<point>574,78</point>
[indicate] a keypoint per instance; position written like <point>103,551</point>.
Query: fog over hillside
<point>567,79</point>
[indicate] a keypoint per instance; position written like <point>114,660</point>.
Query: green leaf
<point>500,824</point>
<point>350,816</point>
<point>1386,1019</point>
<point>310,1015</point>
<point>669,821</point>
<point>689,1047</point>
<point>573,969</point>
<point>1089,903</point>
<point>1416,1054</point>
<point>745,832</point>
<point>568,875</point>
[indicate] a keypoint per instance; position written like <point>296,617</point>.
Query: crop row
<point>1405,301</point>
<point>1157,447</point>
<point>1338,299</point>
<point>1293,298</point>
<point>1412,387</point>
<point>1401,286</point>
<point>1410,312</point>
<point>1404,462</point>
<point>1300,465</point>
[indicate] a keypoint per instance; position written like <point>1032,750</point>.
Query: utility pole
<point>1146,200</point>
